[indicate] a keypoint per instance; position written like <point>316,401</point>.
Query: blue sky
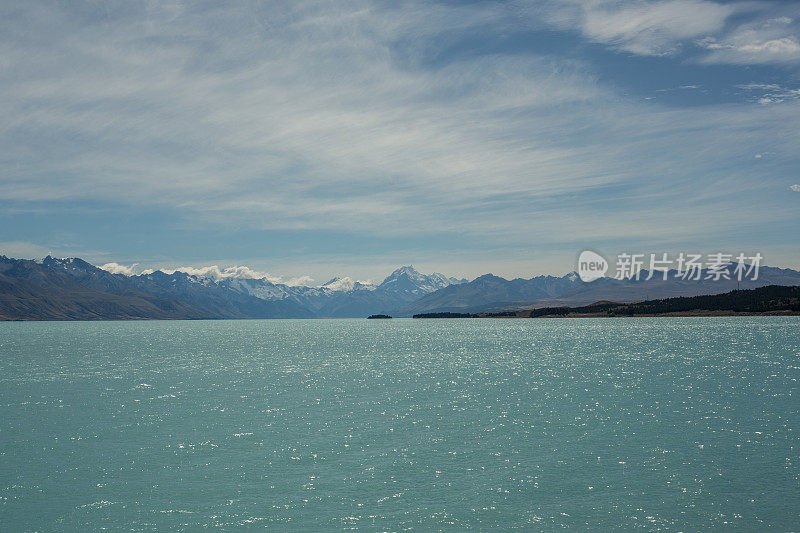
<point>323,138</point>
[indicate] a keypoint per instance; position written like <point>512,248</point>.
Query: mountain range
<point>490,293</point>
<point>73,289</point>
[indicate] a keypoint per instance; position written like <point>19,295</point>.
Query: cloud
<point>31,250</point>
<point>795,188</point>
<point>116,268</point>
<point>358,118</point>
<point>21,249</point>
<point>643,28</point>
<point>770,93</point>
<point>773,40</point>
<point>736,33</point>
<point>215,273</point>
<point>315,123</point>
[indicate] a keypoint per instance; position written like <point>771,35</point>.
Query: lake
<point>494,424</point>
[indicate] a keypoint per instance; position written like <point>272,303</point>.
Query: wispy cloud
<point>770,40</point>
<point>21,249</point>
<point>38,250</point>
<point>735,33</point>
<point>643,28</point>
<point>770,93</point>
<point>351,117</point>
<point>309,129</point>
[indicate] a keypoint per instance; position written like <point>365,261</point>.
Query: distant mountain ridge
<point>342,297</point>
<point>769,300</point>
<point>73,289</point>
<point>204,299</point>
<point>492,293</point>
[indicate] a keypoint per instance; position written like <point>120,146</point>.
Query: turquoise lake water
<point>655,423</point>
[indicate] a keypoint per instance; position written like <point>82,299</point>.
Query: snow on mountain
<point>176,295</point>
<point>408,280</point>
<point>260,288</point>
<point>230,293</point>
<point>346,284</point>
<point>340,284</point>
<point>213,274</point>
<point>341,296</point>
<point>344,296</point>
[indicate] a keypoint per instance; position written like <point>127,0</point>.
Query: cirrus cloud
<point>773,40</point>
<point>379,122</point>
<point>643,28</point>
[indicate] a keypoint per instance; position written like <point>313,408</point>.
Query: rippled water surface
<point>658,423</point>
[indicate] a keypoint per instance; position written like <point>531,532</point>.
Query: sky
<point>313,139</point>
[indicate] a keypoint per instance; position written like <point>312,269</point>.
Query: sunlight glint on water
<point>679,423</point>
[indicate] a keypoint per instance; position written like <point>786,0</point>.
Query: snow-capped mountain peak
<point>408,272</point>
<point>408,280</point>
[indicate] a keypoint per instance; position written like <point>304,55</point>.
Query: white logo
<point>591,266</point>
